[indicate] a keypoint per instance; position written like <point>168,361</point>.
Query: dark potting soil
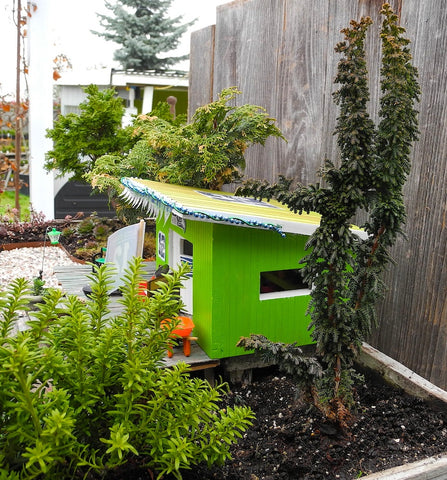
<point>290,440</point>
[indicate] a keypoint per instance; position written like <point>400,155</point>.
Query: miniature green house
<point>244,256</point>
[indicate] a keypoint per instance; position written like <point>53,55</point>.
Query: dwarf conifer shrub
<point>344,269</point>
<point>206,153</point>
<point>84,391</point>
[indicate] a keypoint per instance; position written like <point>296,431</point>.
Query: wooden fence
<point>280,54</point>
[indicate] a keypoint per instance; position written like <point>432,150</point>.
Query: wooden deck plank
<point>73,277</point>
<point>198,358</point>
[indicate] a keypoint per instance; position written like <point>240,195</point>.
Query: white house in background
<point>141,91</point>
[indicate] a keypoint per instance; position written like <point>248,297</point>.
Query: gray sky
<point>70,29</point>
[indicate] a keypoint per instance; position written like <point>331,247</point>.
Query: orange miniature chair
<point>183,330</point>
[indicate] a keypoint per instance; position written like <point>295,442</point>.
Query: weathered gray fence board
<point>414,313</point>
<point>302,79</point>
<point>201,77</point>
<point>280,53</point>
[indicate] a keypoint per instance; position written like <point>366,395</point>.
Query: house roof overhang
<point>218,207</point>
<point>149,77</point>
<point>123,78</point>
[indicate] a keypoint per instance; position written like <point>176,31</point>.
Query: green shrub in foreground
<point>84,392</point>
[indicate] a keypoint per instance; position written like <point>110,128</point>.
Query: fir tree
<point>143,31</point>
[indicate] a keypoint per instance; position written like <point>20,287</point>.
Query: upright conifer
<point>343,269</point>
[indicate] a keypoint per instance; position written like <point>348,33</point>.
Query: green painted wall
<point>163,225</point>
<point>226,303</point>
<point>181,107</point>
<point>239,255</point>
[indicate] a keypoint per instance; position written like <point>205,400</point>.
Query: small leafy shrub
<point>84,392</point>
<point>80,139</point>
<point>86,225</point>
<point>98,227</point>
<point>101,231</point>
<point>68,231</point>
<point>38,286</point>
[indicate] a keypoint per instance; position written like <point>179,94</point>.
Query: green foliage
<point>205,153</point>
<point>78,140</point>
<point>101,232</point>
<point>91,234</point>
<point>11,302</point>
<point>84,392</point>
<point>38,286</point>
<point>289,357</point>
<point>143,31</point>
<point>162,110</point>
<point>7,206</point>
<point>374,162</point>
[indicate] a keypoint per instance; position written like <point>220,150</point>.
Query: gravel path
<point>27,263</point>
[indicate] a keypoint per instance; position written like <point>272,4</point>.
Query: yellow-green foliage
<point>207,152</point>
<point>84,392</point>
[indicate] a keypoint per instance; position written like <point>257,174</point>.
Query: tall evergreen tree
<point>344,270</point>
<point>143,31</point>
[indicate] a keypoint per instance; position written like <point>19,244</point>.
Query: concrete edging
<point>433,468</point>
<point>397,374</point>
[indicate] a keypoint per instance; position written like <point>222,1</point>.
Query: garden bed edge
<point>433,468</point>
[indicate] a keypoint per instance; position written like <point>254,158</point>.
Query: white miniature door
<point>181,251</point>
<point>122,246</point>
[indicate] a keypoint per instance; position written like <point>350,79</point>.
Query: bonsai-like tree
<point>344,269</point>
<point>205,153</point>
<point>79,139</point>
<point>143,32</point>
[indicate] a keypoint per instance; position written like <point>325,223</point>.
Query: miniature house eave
<point>217,207</point>
<point>249,221</point>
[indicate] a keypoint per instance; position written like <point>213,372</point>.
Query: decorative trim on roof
<point>157,204</point>
<point>152,73</point>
